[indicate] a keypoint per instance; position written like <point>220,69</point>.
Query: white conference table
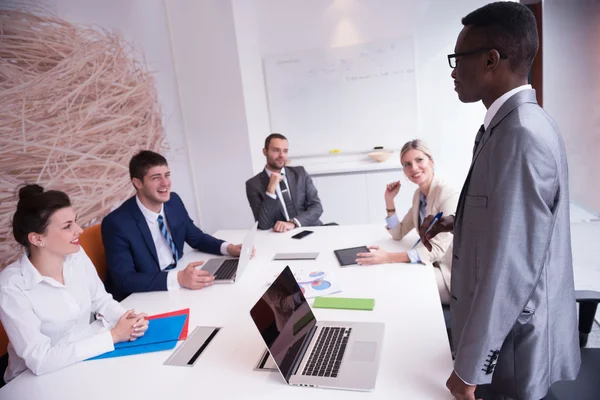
<point>415,362</point>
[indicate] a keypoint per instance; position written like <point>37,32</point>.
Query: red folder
<point>186,311</point>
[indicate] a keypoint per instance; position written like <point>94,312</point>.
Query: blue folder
<point>162,334</point>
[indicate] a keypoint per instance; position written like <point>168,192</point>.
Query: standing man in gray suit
<point>514,320</point>
<point>282,198</point>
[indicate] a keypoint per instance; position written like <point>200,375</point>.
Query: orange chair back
<point>91,241</point>
<point>3,341</point>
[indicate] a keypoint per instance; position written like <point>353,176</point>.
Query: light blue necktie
<point>167,235</point>
<point>422,210</point>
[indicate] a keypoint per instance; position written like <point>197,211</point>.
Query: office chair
<point>91,241</point>
<point>587,384</point>
<point>4,353</point>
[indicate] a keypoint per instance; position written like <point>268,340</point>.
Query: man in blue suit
<point>144,237</point>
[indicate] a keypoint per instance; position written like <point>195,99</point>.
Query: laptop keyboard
<point>326,356</point>
<point>227,270</point>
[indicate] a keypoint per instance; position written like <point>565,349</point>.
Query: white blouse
<point>48,323</point>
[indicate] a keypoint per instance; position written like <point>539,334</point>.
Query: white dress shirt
<point>491,112</point>
<point>280,196</point>
<point>163,250</point>
<point>48,323</point>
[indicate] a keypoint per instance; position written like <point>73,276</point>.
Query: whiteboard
<point>349,98</point>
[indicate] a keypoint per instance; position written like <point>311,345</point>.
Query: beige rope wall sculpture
<point>75,106</point>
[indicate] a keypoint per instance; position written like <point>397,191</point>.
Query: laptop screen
<point>246,253</point>
<point>283,318</point>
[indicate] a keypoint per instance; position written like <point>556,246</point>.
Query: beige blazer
<point>442,197</point>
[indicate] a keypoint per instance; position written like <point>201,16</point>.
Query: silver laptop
<point>307,352</point>
<point>227,270</point>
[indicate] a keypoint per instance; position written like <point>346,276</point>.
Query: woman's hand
<point>129,327</point>
<point>140,325</point>
<point>378,256</point>
<point>391,191</point>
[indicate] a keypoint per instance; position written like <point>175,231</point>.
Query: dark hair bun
<point>34,209</point>
<point>28,191</point>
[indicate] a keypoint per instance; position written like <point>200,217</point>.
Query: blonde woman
<point>432,196</point>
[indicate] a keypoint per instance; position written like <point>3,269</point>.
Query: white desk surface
<point>416,358</point>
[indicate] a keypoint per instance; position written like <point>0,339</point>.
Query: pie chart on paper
<point>308,276</point>
<point>303,276</point>
<point>321,285</point>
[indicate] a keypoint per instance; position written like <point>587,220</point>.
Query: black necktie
<point>478,138</point>
<point>287,199</point>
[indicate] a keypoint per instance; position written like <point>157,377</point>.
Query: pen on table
<point>433,222</point>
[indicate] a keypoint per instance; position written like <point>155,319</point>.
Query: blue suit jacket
<point>131,255</point>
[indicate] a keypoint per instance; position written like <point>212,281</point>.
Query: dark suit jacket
<point>131,255</point>
<point>267,211</point>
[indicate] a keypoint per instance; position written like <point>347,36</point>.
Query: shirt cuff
<point>392,221</point>
<point>465,382</point>
<point>99,343</point>
<point>414,256</point>
<point>298,224</point>
<point>273,196</point>
<point>172,282</point>
<point>224,248</point>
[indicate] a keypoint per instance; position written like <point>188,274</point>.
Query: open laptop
<point>307,352</point>
<point>227,270</point>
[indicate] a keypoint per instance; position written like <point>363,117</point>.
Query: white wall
<point>448,125</point>
<point>208,61</point>
<point>255,98</point>
<point>571,34</point>
<point>210,84</point>
<point>144,23</point>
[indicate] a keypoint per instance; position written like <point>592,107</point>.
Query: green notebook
<point>344,303</point>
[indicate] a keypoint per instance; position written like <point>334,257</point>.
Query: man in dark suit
<point>144,237</point>
<point>282,198</point>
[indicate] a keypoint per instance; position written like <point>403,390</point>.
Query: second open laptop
<point>307,352</point>
<point>227,270</point>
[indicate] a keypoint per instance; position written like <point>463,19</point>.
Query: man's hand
<point>283,226</point>
<point>192,278</point>
<point>445,224</point>
<point>273,182</point>
<point>459,389</point>
<point>236,249</point>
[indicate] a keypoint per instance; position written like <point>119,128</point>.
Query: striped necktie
<point>167,235</point>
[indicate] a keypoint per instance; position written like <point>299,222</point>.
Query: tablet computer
<point>348,256</point>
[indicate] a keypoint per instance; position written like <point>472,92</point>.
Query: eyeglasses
<point>452,58</point>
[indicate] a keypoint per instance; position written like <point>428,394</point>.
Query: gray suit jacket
<point>513,306</point>
<point>267,211</point>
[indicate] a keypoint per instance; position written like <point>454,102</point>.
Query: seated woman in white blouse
<point>431,197</point>
<point>49,294</point>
